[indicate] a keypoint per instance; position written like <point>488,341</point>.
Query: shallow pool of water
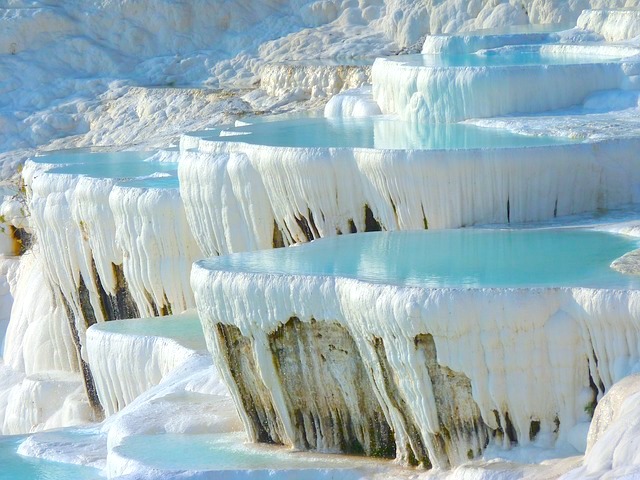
<point>466,258</point>
<point>18,467</point>
<point>507,57</point>
<point>120,169</point>
<point>184,328</point>
<point>65,157</point>
<point>226,451</point>
<point>379,132</point>
<point>110,165</point>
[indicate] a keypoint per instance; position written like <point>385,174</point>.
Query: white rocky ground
<point>70,69</point>
<point>119,74</point>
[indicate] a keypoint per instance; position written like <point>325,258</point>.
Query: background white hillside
<point>69,69</point>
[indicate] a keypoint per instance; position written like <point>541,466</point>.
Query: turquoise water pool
<point>466,258</point>
<point>472,41</point>
<point>109,164</point>
<point>225,451</point>
<point>18,467</point>
<point>120,169</point>
<point>506,57</point>
<point>66,157</point>
<point>377,132</point>
<point>184,328</point>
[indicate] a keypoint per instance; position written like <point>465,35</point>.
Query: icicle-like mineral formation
<point>425,375</point>
<point>127,358</point>
<point>240,196</point>
<point>125,251</point>
<point>484,84</point>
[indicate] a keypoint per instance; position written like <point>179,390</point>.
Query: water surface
<point>117,165</point>
<point>76,156</point>
<point>184,328</point>
<point>507,57</point>
<point>227,451</point>
<point>380,132</point>
<point>464,258</point>
<point>17,467</point>
<point>120,169</point>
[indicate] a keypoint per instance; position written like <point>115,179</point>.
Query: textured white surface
<point>157,245</point>
<point>613,25</point>
<point>69,67</point>
<point>612,450</point>
<point>234,192</point>
<point>312,80</point>
<point>71,71</point>
<point>451,94</point>
<point>125,365</point>
<point>528,353</point>
<point>142,229</point>
<point>45,401</point>
<point>352,103</point>
<point>242,219</point>
<point>41,386</point>
<point>461,43</point>
<point>37,339</point>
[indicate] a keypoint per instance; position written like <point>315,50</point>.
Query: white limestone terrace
<point>355,103</point>
<point>614,25</point>
<point>162,384</point>
<point>609,444</point>
<point>472,41</point>
<point>527,341</point>
<point>137,187</point>
<point>135,431</point>
<point>76,210</point>
<point>40,362</point>
<point>107,248</point>
<point>169,416</point>
<point>365,173</point>
<point>128,357</point>
<point>319,177</point>
<point>105,193</point>
<point>500,81</point>
<point>603,115</point>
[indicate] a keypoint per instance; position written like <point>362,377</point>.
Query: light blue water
<point>504,57</point>
<point>17,467</point>
<point>226,451</point>
<point>120,169</point>
<point>466,258</point>
<point>379,132</point>
<point>108,164</point>
<point>87,156</point>
<point>184,328</point>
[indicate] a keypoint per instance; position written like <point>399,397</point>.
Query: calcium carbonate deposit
<point>309,239</point>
